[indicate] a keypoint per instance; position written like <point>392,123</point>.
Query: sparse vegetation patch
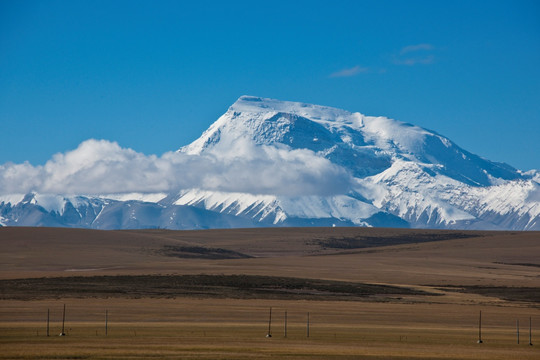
<point>360,242</point>
<point>206,286</point>
<point>200,252</point>
<point>519,264</point>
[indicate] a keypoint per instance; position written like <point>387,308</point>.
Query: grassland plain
<point>446,278</point>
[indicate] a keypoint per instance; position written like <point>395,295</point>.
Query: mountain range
<point>295,164</point>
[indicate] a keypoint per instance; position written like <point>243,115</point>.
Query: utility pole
<point>307,328</point>
<point>269,334</point>
<point>530,331</point>
<point>63,333</point>
<point>285,328</point>
<point>480,328</point>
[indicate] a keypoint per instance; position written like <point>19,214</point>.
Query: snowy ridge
<point>423,198</point>
<point>49,202</point>
<point>257,206</point>
<point>144,197</point>
<point>253,104</point>
<point>278,209</point>
<point>340,207</point>
<point>517,200</point>
<point>11,199</point>
<point>412,194</point>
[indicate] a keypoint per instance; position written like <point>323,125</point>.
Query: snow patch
<point>280,208</point>
<point>12,199</point>
<point>342,207</point>
<point>136,196</point>
<point>252,104</point>
<point>232,203</point>
<point>50,203</point>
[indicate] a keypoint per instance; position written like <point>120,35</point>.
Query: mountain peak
<point>269,121</point>
<point>255,104</point>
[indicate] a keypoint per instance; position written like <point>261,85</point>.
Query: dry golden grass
<point>236,329</point>
<point>408,327</point>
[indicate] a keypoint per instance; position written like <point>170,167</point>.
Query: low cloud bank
<point>103,167</point>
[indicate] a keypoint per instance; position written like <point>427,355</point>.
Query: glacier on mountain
<point>286,163</point>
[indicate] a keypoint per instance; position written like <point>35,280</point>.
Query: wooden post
<point>517,330</point>
<point>48,320</point>
<point>63,333</point>
<point>530,331</point>
<point>269,334</point>
<point>106,321</point>
<point>480,328</point>
<point>307,328</point>
<point>285,327</point>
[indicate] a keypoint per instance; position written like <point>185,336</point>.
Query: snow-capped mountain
<point>384,173</point>
<point>131,211</point>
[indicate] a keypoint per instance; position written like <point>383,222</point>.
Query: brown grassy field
<point>370,293</point>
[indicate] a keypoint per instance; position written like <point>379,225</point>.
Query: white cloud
<point>276,170</point>
<point>414,48</point>
<point>349,72</point>
<point>102,167</point>
<point>415,54</point>
<point>410,61</point>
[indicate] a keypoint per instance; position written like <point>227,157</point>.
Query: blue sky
<point>153,75</point>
